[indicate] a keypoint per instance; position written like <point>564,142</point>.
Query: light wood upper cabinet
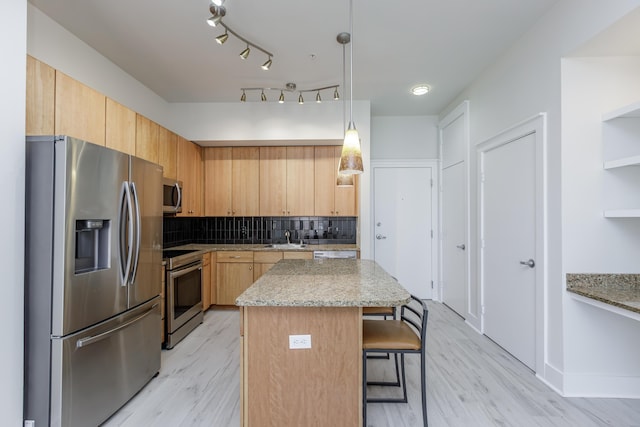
<point>168,153</point>
<point>331,200</point>
<point>41,82</point>
<point>232,181</point>
<point>79,110</point>
<point>300,180</point>
<point>120,127</point>
<point>273,181</point>
<point>245,181</point>
<point>189,171</point>
<point>217,181</point>
<point>147,132</point>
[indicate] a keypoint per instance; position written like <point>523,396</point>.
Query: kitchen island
<point>301,340</point>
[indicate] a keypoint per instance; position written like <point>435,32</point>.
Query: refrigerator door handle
<point>126,251</point>
<point>91,340</point>
<point>138,226</point>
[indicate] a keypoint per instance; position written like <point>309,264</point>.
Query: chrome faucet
<point>287,234</point>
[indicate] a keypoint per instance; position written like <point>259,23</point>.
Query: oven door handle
<point>182,271</point>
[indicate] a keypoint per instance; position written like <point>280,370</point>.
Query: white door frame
<point>435,209</point>
<point>536,125</point>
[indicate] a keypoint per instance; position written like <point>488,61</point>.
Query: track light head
<point>336,95</point>
<point>243,98</point>
<point>300,99</point>
<point>222,38</point>
<point>217,2</point>
<point>245,53</point>
<point>217,12</point>
<point>318,98</point>
<point>263,97</point>
<point>267,64</point>
<point>281,99</point>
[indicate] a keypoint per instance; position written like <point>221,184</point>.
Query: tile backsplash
<point>258,230</point>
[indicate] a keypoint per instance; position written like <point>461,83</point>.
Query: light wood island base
<point>301,387</point>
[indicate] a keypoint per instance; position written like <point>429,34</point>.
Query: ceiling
<point>167,45</point>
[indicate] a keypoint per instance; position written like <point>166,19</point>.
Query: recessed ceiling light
<point>420,90</point>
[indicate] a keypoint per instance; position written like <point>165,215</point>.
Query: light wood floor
<point>471,382</point>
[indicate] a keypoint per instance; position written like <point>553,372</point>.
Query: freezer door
<point>96,371</point>
<point>146,191</point>
<point>88,186</point>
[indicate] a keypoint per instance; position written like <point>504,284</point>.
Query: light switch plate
<point>299,341</point>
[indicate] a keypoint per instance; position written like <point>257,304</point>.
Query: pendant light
<point>343,180</point>
<point>351,157</point>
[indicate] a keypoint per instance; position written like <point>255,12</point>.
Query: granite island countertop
<point>325,283</point>
<point>619,290</point>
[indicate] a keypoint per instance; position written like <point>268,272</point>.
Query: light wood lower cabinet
<point>263,261</point>
<point>297,255</point>
<point>206,281</point>
<point>234,275</point>
<point>213,282</point>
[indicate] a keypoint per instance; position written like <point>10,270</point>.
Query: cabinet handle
<point>234,256</point>
<point>250,267</point>
<point>337,213</point>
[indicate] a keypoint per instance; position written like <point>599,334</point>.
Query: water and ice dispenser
<point>92,245</point>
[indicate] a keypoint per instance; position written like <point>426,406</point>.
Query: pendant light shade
<point>351,157</point>
<point>344,180</point>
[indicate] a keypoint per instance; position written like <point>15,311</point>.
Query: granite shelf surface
<point>325,283</point>
<point>620,290</point>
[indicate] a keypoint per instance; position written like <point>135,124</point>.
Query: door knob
<point>462,246</point>
<point>380,236</point>
<point>529,263</point>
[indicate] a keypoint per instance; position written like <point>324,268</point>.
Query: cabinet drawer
<point>267,257</point>
<point>235,256</point>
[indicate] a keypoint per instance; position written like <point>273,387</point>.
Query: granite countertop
<point>620,290</point>
<point>265,247</point>
<point>325,283</point>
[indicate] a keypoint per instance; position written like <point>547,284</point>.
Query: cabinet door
<point>346,198</point>
<point>273,181</point>
<point>168,153</point>
<point>297,255</point>
<point>41,81</point>
<point>213,282</point>
<point>233,279</point>
<point>120,124</point>
<point>206,282</point>
<point>217,181</point>
<point>264,261</point>
<point>190,173</point>
<point>300,180</point>
<point>79,110</point>
<point>245,181</point>
<point>325,180</point>
<point>147,139</point>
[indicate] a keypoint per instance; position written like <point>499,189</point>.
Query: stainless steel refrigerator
<point>92,280</point>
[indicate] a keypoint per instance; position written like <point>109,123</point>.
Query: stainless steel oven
<point>183,294</point>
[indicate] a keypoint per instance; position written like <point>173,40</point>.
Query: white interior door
<point>508,237</point>
<point>403,226</point>
<point>454,243</point>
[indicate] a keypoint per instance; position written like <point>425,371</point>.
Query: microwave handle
<point>177,206</point>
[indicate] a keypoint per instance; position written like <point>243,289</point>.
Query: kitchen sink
<point>286,246</point>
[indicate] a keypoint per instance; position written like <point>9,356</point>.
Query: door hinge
<point>431,182</point>
<point>482,310</point>
<point>432,284</point>
<point>432,234</point>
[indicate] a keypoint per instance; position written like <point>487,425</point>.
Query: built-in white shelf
<point>628,111</point>
<point>622,213</point>
<point>620,163</point>
<point>604,306</point>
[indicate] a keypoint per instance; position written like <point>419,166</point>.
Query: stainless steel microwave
<point>171,196</point>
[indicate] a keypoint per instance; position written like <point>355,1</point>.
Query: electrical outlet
<point>299,341</point>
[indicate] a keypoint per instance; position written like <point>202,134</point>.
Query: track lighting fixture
<point>263,97</point>
<point>245,53</point>
<point>222,38</point>
<point>267,64</point>
<point>218,11</point>
<point>290,87</point>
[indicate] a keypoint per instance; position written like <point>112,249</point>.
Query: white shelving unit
<point>628,112</point>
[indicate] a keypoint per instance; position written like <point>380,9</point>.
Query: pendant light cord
<point>351,62</point>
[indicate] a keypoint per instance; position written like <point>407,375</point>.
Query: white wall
<point>408,137</point>
<point>601,348</point>
<point>12,169</point>
<point>523,82</point>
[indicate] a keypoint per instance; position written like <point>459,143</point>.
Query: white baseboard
<point>552,377</point>
<point>587,385</point>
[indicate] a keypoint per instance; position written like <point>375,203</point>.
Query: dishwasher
<point>349,254</point>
